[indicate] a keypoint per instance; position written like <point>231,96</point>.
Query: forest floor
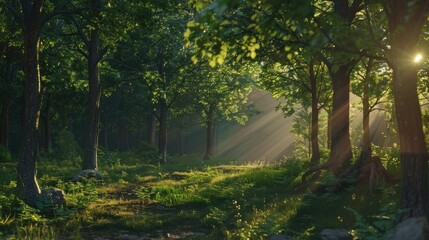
<point>191,199</point>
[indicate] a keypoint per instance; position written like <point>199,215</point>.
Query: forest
<point>214,119</point>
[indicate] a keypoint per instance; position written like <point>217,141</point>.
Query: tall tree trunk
<point>151,129</point>
<point>366,137</point>
<point>315,151</point>
<point>27,166</point>
<point>405,24</point>
<point>90,158</point>
<point>209,129</point>
<point>329,134</point>
<point>341,151</point>
<point>162,144</point>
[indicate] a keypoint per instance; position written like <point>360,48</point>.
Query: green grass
<point>217,199</point>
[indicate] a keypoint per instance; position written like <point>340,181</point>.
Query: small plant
<point>376,226</point>
<point>107,158</point>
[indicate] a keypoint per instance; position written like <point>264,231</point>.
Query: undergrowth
<point>222,199</point>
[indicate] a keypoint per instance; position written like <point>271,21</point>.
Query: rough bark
<point>341,151</point>
<point>162,143</point>
<point>209,134</point>
<point>27,166</point>
<point>405,24</point>
<point>90,158</point>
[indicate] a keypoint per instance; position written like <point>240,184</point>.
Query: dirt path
<point>121,206</point>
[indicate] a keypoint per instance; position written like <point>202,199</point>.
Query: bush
<point>66,146</point>
<point>5,155</point>
<point>147,151</point>
<point>110,159</point>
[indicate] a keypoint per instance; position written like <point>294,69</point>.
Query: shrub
<point>5,155</point>
<point>66,146</point>
<point>108,158</point>
<point>146,151</point>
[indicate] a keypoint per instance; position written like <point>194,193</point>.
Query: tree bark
<point>27,166</point>
<point>405,24</point>
<point>90,158</point>
<point>151,129</point>
<point>315,151</point>
<point>162,143</point>
<point>209,129</point>
<point>341,151</point>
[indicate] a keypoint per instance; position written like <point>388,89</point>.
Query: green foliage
<point>146,151</point>
<point>66,146</point>
<point>389,157</point>
<point>5,155</point>
<point>376,226</point>
<point>108,158</point>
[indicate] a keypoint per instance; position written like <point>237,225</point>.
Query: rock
<point>87,173</point>
<point>279,237</point>
<point>416,228</point>
<point>335,234</point>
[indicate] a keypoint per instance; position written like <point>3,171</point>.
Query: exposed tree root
<point>366,171</point>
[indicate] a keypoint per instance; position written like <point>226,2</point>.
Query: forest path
<point>121,215</point>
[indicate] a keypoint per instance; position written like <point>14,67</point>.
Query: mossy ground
<point>191,199</point>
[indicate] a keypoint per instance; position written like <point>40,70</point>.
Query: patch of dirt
<point>134,206</point>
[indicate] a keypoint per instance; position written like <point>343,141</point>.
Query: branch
<point>80,31</point>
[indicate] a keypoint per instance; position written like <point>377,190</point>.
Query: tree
<point>406,19</point>
<point>219,93</point>
<point>322,27</point>
<point>94,52</point>
<point>303,82</point>
<point>32,15</point>
<point>372,86</point>
<point>157,57</point>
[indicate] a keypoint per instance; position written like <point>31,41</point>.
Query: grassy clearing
<point>191,199</point>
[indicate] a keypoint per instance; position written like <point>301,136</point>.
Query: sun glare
<point>418,58</point>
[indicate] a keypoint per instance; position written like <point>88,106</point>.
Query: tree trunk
<point>315,152</point>
<point>405,25</point>
<point>162,144</point>
<point>90,158</point>
<point>27,166</point>
<point>366,137</point>
<point>209,129</point>
<point>341,151</point>
<point>151,129</point>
